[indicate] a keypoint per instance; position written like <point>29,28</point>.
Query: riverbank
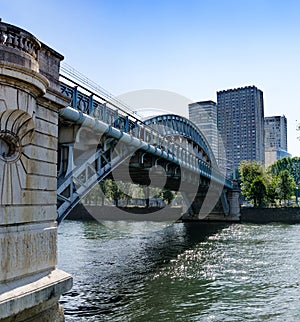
<point>286,215</point>
<point>99,213</point>
<point>93,212</point>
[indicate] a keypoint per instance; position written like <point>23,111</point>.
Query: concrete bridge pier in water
<point>213,202</point>
<point>30,283</point>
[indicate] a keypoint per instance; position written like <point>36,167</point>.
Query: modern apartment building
<point>275,138</point>
<point>204,115</point>
<point>241,125</point>
<point>276,132</point>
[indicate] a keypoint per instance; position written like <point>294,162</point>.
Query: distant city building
<point>273,155</point>
<point>275,132</point>
<point>204,115</point>
<point>275,139</point>
<point>241,125</point>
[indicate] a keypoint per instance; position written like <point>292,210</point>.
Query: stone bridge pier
<point>213,202</point>
<point>30,283</point>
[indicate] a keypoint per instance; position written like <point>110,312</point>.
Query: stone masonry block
<point>27,249</point>
<point>11,215</point>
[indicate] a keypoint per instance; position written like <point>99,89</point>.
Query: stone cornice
<point>12,72</point>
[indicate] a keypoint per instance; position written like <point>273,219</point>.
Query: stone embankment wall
<point>269,215</point>
<point>90,212</point>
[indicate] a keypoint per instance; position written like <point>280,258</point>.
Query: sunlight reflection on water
<point>181,272</point>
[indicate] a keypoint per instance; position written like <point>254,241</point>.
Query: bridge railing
<point>102,108</point>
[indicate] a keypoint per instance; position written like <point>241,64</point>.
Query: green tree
<point>167,196</point>
<point>258,191</point>
<point>287,163</point>
<point>271,182</point>
<point>114,191</point>
<point>286,185</point>
<point>103,190</point>
<point>93,197</point>
<point>127,189</point>
<point>249,171</point>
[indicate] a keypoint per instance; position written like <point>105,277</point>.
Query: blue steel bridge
<point>98,133</point>
<point>98,137</point>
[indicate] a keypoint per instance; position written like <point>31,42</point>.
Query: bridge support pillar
<point>209,206</point>
<point>30,283</point>
<point>234,201</point>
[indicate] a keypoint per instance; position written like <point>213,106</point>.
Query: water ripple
<point>181,273</point>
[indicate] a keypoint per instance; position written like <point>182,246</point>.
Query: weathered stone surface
<point>49,64</point>
<point>43,140</point>
<point>34,297</point>
<point>29,197</point>
<point>39,197</point>
<point>23,59</point>
<point>40,313</point>
<point>16,184</point>
<point>46,114</point>
<point>40,153</point>
<point>30,285</point>
<point>27,249</point>
<point>45,127</point>
<point>27,213</point>
<point>37,167</point>
<point>19,46</point>
<point>18,76</point>
<point>37,182</point>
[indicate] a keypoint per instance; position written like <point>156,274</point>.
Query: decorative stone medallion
<point>16,131</point>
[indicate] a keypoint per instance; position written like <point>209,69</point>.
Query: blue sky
<point>193,48</point>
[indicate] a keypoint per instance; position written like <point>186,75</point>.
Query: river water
<point>183,272</point>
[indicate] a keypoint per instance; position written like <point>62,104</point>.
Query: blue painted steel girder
<point>178,125</point>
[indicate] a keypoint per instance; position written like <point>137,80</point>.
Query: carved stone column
<point>30,283</point>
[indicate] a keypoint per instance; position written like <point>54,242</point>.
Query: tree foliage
<point>258,191</point>
<point>118,190</point>
<point>286,185</point>
<point>277,183</point>
<point>288,163</point>
<point>114,191</point>
<point>249,171</point>
<point>271,186</point>
<point>167,196</point>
